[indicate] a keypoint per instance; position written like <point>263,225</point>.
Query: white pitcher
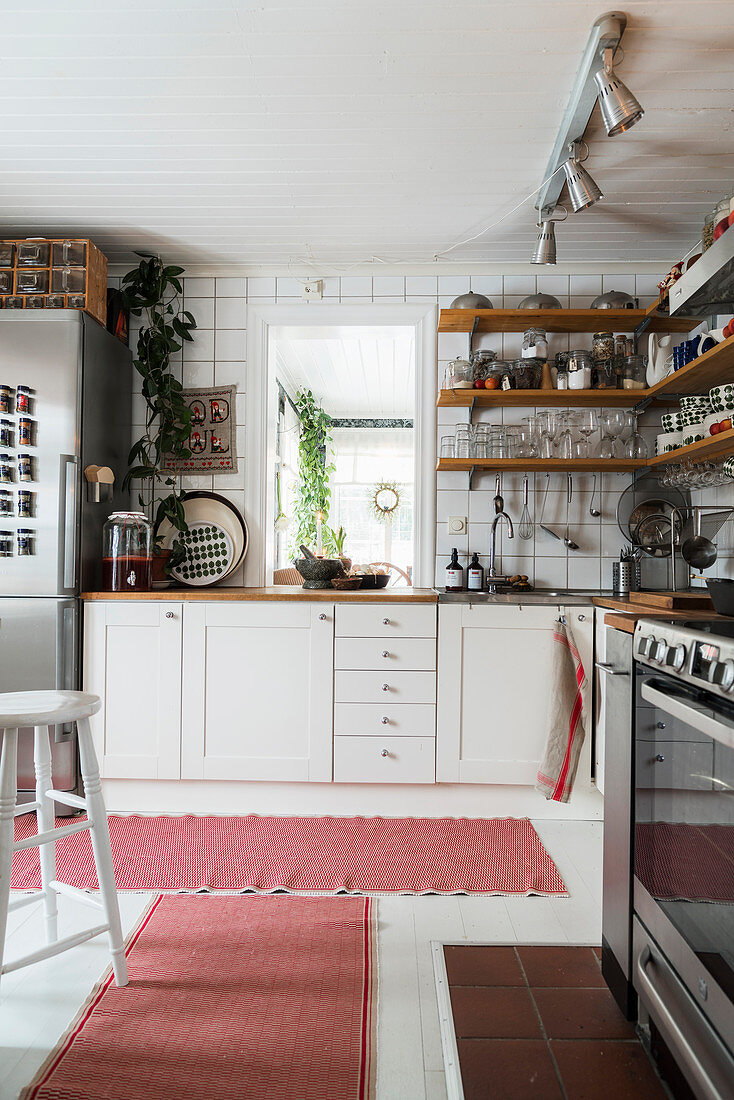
<point>659,357</point>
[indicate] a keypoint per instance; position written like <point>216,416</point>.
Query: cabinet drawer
<point>374,620</point>
<point>417,654</point>
<point>384,687</point>
<point>674,765</point>
<point>384,760</point>
<point>367,719</point>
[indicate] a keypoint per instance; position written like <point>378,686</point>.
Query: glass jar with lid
<point>535,344</point>
<point>603,346</point>
<point>459,375</point>
<point>127,553</point>
<point>481,361</point>
<point>580,364</point>
<point>633,373</point>
<point>527,373</point>
<point>604,375</point>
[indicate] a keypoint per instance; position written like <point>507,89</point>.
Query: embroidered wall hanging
<point>213,428</point>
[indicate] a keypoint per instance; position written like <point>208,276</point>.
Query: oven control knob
<point>722,673</point>
<point>676,657</point>
<point>647,645</point>
<point>659,653</point>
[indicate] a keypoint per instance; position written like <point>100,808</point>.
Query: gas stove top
<point>699,652</point>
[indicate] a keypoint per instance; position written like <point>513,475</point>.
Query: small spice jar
<point>633,373</point>
<point>25,467</point>
<point>579,369</point>
<point>6,399</point>
<point>6,433</point>
<point>534,344</point>
<point>6,469</point>
<point>14,301</point>
<point>603,346</point>
<point>22,400</point>
<point>25,541</point>
<point>25,504</point>
<point>6,502</point>
<point>6,544</point>
<point>25,432</point>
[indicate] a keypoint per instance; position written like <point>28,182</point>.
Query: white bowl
<point>667,441</point>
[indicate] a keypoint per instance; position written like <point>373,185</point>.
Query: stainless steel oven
<point>683,850</point>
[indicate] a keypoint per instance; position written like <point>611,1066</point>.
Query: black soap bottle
<point>475,575</point>
<point>454,574</point>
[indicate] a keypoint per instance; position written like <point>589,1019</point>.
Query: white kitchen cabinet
<point>258,691</point>
<point>132,660</point>
<point>494,686</point>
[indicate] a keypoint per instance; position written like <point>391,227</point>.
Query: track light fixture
<point>582,189</point>
<point>620,110</point>
<point>545,246</point>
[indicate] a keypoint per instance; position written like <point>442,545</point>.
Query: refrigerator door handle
<point>68,520</point>
<point>66,642</point>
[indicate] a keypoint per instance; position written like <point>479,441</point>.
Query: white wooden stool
<point>42,709</point>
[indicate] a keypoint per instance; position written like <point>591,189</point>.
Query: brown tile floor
<point>540,1023</point>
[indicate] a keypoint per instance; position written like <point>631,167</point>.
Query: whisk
<point>525,528</point>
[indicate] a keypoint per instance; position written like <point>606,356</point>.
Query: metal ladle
<point>568,541</point>
<point>699,551</point>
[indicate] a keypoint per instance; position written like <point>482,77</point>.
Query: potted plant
<point>313,494</point>
<point>338,537</point>
<point>153,290</point>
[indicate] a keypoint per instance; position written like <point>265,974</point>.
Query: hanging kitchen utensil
<point>699,551</point>
<point>592,510</point>
<point>541,525</point>
<point>568,541</point>
<point>652,498</point>
<point>525,528</point>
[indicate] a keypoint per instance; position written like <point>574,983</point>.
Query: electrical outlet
<point>457,525</point>
<point>313,291</point>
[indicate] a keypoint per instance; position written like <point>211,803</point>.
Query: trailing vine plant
<point>313,493</point>
<point>153,290</point>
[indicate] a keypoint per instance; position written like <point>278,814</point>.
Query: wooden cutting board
<point>673,601</point>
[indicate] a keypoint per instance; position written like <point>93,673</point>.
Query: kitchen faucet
<point>499,508</point>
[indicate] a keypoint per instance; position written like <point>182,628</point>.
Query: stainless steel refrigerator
<point>80,382</point>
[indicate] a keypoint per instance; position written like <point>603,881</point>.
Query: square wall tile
<point>356,286</point>
<point>231,344</point>
<point>453,285</point>
<point>261,287</point>
<point>491,285</point>
<point>421,284</point>
<point>201,348</point>
<point>202,309</point>
<point>619,282</point>
<point>231,313</point>
<point>390,285</point>
<point>198,374</point>
<point>232,374</point>
<point>451,503</point>
<point>589,285</point>
<point>198,288</point>
<point>520,285</point>
<point>231,288</point>
<point>288,288</point>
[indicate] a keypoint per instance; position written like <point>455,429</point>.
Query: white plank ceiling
<point>352,372</point>
<point>242,132</point>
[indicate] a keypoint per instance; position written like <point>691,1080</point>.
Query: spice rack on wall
<point>72,272</point>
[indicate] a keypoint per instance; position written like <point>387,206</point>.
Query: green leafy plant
<point>313,493</point>
<point>153,290</point>
<point>338,537</point>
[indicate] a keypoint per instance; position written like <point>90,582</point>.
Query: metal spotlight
<point>545,246</point>
<point>620,110</point>
<point>582,189</point>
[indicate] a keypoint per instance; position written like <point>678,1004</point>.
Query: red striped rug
<point>322,854</point>
<point>236,997</point>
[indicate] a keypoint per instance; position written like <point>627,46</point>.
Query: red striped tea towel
<point>567,706</point>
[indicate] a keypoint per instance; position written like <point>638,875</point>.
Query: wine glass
<point>635,445</point>
<point>587,423</point>
<point>563,439</point>
<point>613,423</point>
<point>548,424</point>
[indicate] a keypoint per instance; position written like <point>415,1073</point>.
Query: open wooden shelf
<point>710,369</point>
<point>715,447</point>
<point>570,399</point>
<point>561,320</point>
<point>527,465</point>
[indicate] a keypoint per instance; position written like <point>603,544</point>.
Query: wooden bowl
<point>346,584</point>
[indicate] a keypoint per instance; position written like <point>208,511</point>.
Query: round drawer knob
<point>170,615</point>
<point>385,720</point>
<point>384,752</point>
<point>385,653</point>
<point>582,618</point>
<point>385,687</point>
<point>385,622</point>
<point>660,758</point>
<point>322,617</point>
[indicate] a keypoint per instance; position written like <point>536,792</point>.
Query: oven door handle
<point>714,726</point>
<point>682,1049</point>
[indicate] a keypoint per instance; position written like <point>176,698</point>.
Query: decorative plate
<point>209,555</point>
<point>203,508</point>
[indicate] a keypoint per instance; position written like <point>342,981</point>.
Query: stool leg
<point>46,820</point>
<point>100,835</point>
<point>8,796</point>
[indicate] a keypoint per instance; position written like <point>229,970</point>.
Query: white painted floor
<point>37,1003</point>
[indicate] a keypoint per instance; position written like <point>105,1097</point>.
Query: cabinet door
<point>258,691</point>
<point>132,660</point>
<point>493,689</point>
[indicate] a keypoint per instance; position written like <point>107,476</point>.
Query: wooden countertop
<point>277,592</point>
<point>626,614</point>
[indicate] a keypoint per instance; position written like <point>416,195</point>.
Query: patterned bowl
<point>319,572</point>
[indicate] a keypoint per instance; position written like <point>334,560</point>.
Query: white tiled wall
<point>217,357</point>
